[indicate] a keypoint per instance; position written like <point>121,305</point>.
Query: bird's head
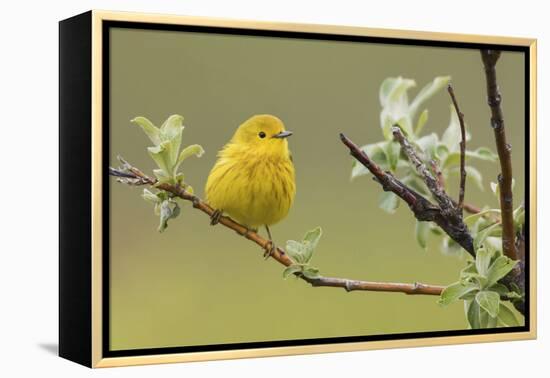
<point>264,133</point>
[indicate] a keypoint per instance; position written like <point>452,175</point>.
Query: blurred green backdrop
<point>196,284</point>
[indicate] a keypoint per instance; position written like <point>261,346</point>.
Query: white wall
<point>28,236</point>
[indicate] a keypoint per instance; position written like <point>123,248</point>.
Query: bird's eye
<point>261,134</point>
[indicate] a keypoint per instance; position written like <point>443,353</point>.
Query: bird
<point>253,180</point>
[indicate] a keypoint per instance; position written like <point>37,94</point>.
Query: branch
<point>460,115</point>
<point>472,209</point>
<point>438,174</point>
<point>494,98</point>
<point>445,202</point>
<point>130,175</point>
<point>447,218</point>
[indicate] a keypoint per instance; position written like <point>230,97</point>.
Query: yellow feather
<point>253,180</point>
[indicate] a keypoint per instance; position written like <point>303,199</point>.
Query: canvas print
<point>270,190</point>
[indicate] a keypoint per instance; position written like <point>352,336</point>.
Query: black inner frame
<point>107,25</point>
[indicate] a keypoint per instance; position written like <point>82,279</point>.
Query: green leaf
<point>428,144</point>
<point>452,134</point>
<point>487,321</point>
<point>168,210</point>
<point>422,119</point>
<point>150,197</point>
<point>172,126</point>
<point>506,317</point>
<point>489,301</point>
<point>375,152</point>
<point>477,316</point>
<point>483,234</point>
<point>405,124</point>
<point>295,250</point>
<point>414,182</point>
<point>441,152</point>
<point>519,216</point>
<point>473,315</point>
<point>471,219</point>
<point>422,231</point>
<point>395,104</point>
<point>495,189</point>
<point>500,289</point>
<point>388,202</point>
<point>469,275</point>
<point>161,176</point>
<point>162,155</point>
<point>483,259</point>
<point>301,252</point>
<point>392,153</point>
<point>499,268</point>
<point>311,272</point>
<point>148,128</point>
<point>310,241</point>
<point>450,247</point>
<point>427,92</point>
<point>474,278</point>
<point>188,151</point>
<point>312,237</point>
<point>171,131</point>
<point>393,89</point>
<point>454,292</point>
<point>451,160</point>
<point>290,270</point>
<point>473,174</point>
<point>482,153</point>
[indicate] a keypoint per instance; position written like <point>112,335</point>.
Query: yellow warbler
<point>253,178</point>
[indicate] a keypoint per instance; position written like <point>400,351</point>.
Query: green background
<point>196,284</point>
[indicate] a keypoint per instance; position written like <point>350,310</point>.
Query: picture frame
<point>85,273</point>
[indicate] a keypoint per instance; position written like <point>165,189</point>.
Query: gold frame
<point>99,16</point>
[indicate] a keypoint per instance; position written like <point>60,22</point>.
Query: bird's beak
<point>283,134</point>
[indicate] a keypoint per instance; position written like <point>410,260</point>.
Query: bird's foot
<point>215,217</point>
<point>269,249</point>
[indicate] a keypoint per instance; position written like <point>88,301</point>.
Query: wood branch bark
<point>130,175</point>
<point>445,202</point>
<point>447,218</point>
<point>494,99</point>
<point>460,115</point>
<point>438,174</point>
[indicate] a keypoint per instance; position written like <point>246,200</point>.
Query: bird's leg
<point>215,217</point>
<point>270,246</point>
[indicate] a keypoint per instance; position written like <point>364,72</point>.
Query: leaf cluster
<point>166,154</point>
<point>442,152</point>
<point>479,286</point>
<point>301,252</point>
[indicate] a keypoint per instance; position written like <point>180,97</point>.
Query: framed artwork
<point>236,189</point>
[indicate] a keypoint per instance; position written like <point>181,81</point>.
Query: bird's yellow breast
<point>252,188</point>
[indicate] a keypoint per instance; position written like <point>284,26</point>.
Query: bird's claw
<point>215,217</point>
<point>269,249</point>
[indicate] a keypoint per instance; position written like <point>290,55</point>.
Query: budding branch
<point>445,215</point>
<point>130,175</point>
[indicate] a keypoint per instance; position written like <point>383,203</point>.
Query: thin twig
<point>460,115</point>
<point>448,219</point>
<point>472,209</point>
<point>494,98</point>
<point>129,172</point>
